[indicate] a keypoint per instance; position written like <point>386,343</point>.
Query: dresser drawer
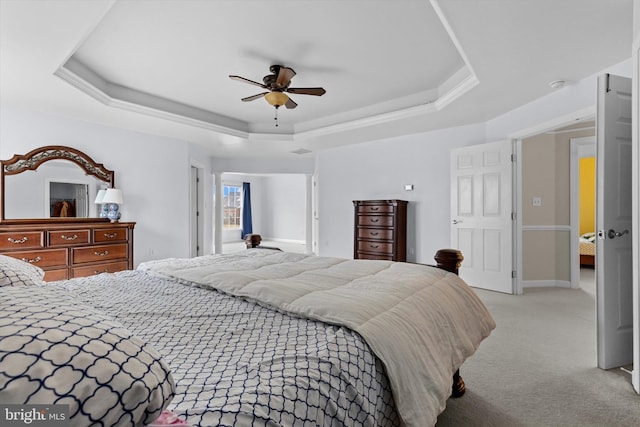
<point>70,237</point>
<point>109,267</point>
<point>98,253</point>
<point>377,247</point>
<point>43,258</point>
<point>104,235</point>
<point>375,208</point>
<point>22,240</point>
<point>375,220</point>
<point>362,255</point>
<point>58,274</point>
<point>375,233</point>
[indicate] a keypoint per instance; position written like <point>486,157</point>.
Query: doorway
<point>582,188</point>
<point>547,207</point>
<point>68,199</point>
<point>281,211</point>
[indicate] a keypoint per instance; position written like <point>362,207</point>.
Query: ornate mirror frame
<point>34,158</point>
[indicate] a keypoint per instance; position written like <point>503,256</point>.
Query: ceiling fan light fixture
<point>277,99</point>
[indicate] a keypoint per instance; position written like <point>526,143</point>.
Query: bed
<point>587,249</point>
<point>260,337</point>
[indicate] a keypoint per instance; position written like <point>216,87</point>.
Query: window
<point>232,197</point>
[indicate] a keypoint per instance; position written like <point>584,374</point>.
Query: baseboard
<point>275,239</point>
<point>546,284</point>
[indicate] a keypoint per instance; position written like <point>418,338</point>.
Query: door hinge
<point>513,158</point>
<point>513,216</point>
<point>607,87</point>
<point>513,274</point>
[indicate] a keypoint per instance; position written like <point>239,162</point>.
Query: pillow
<point>57,350</point>
<point>14,272</point>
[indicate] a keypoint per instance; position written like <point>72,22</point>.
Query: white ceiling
<point>390,67</point>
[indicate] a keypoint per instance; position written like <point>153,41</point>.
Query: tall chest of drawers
<point>71,249</point>
<point>380,230</point>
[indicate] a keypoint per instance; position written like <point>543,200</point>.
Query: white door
<point>481,214</point>
<point>613,222</point>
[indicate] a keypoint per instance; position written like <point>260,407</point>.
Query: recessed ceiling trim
<point>79,76</point>
<point>445,23</point>
<point>84,79</point>
<point>463,86</point>
<point>459,84</point>
<point>420,103</point>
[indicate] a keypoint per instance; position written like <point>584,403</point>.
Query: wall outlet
<point>537,201</point>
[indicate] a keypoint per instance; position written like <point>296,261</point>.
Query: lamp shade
<point>113,195</point>
<point>100,196</point>
<point>277,99</point>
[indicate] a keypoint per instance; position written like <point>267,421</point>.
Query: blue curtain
<point>247,227</point>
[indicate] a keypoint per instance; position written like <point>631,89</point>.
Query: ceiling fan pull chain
<point>276,116</point>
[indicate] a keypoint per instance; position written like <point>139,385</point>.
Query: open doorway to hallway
<point>279,207</point>
<point>549,213</point>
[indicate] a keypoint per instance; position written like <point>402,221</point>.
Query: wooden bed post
<point>450,260</point>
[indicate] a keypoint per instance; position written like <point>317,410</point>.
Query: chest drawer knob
<point>374,246</point>
<point>103,253</point>
<point>18,241</point>
<point>374,220</point>
<point>110,235</point>
<point>65,237</point>
<point>32,260</point>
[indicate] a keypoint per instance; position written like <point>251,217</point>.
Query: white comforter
<point>421,322</point>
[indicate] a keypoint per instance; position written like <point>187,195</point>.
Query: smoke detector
<point>557,84</point>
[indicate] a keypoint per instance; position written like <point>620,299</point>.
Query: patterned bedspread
<point>238,363</point>
<point>420,321</point>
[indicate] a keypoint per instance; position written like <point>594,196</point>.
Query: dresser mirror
<point>54,183</point>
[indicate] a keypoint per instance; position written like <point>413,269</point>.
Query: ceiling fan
<point>278,83</point>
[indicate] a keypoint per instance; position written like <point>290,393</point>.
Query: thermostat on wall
<point>408,187</point>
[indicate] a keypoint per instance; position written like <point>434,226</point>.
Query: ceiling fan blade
<point>251,82</point>
<point>290,104</point>
<point>285,74</point>
<point>254,97</point>
<point>317,91</point>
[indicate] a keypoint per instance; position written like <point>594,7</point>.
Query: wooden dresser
<point>380,230</point>
<point>65,250</point>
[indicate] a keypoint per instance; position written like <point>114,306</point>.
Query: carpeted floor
<point>538,367</point>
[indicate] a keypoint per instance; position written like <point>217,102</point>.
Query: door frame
<point>196,209</point>
<point>584,114</point>
<point>580,148</point>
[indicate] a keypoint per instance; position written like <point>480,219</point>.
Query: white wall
<point>284,201</point>
<point>380,170</point>
<point>152,172</point>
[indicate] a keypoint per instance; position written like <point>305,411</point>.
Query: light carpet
<point>538,367</point>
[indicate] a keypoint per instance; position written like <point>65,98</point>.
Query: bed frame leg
<point>458,389</point>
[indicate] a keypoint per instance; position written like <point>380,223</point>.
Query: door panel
<point>613,221</point>
<point>481,204</point>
